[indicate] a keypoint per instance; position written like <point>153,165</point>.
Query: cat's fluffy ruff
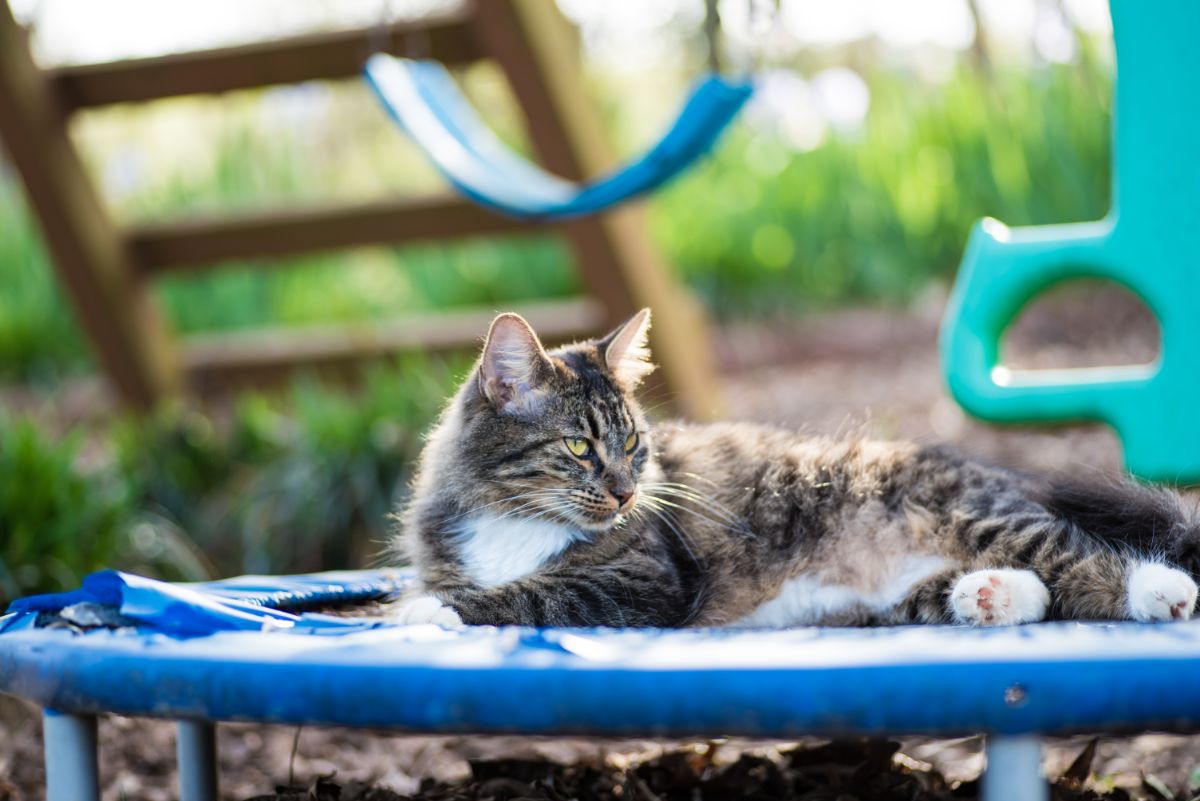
<point>750,524</point>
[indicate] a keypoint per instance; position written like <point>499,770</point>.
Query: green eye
<point>578,445</point>
<point>631,442</point>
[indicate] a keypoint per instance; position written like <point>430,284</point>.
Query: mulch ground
<point>852,372</point>
<point>281,763</point>
<point>870,770</point>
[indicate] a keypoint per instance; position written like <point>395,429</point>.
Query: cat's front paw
<point>999,598</point>
<point>1158,592</point>
<point>425,609</point>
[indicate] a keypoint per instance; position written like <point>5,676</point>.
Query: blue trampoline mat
<point>1047,678</point>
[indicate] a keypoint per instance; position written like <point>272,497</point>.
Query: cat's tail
<point>1148,521</point>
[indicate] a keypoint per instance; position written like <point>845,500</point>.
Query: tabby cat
<point>544,497</point>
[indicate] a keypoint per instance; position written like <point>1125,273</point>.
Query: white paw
<point>425,609</point>
<point>999,598</point>
<point>1158,592</point>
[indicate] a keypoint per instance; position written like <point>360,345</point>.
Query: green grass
<point>60,519</point>
<point>758,229</point>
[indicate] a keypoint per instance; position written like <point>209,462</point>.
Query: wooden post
<point>115,308</point>
<point>539,51</point>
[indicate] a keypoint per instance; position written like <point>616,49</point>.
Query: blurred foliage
<point>60,521</point>
<point>55,521</point>
<point>38,337</point>
<point>303,486</point>
<point>760,228</point>
<point>299,483</point>
<point>868,216</point>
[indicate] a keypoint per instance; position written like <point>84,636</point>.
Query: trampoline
<point>244,650</point>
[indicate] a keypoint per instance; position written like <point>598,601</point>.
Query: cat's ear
<point>514,367</point>
<point>627,350</point>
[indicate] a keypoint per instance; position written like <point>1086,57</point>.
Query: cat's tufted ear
<point>514,367</point>
<point>627,351</point>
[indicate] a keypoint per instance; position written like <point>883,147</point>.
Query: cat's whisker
<point>666,506</point>
<point>510,499</point>
<point>636,516</point>
<point>520,510</point>
<point>556,513</point>
<point>664,516</point>
<point>723,517</point>
<point>534,499</point>
<point>683,490</point>
<point>736,525</point>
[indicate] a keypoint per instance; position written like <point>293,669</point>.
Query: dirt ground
<point>856,371</point>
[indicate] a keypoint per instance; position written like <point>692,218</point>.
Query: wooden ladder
<point>108,271</point>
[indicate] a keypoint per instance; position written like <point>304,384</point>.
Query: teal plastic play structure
<point>1147,243</point>
<point>423,98</point>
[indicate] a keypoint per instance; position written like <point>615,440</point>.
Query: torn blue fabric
<point>426,102</point>
<point>248,603</point>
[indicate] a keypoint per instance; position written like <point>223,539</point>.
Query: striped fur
<point>738,523</point>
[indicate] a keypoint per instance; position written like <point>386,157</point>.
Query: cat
<point>543,497</point>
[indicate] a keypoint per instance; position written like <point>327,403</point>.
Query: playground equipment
<point>1146,243</point>
<point>230,650</point>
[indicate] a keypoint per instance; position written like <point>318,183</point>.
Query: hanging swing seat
<point>244,649</point>
<point>424,99</point>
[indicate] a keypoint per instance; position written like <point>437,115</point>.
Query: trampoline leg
<point>72,765</point>
<point>196,747</point>
<point>1014,770</point>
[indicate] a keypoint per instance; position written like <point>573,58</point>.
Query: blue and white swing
<point>424,99</point>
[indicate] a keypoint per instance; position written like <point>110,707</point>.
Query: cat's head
<point>555,435</point>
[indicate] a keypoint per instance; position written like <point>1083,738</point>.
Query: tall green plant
<point>59,521</point>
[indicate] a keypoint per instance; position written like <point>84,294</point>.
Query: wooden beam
<point>323,56</point>
<point>265,356</point>
<point>539,51</point>
<point>115,309</point>
<point>192,243</point>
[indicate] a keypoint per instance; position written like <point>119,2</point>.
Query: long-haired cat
<point>544,497</point>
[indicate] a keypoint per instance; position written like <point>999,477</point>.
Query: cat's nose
<point>622,494</point>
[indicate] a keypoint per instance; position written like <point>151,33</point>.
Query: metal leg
<point>72,766</point>
<point>196,747</point>
<point>1014,770</point>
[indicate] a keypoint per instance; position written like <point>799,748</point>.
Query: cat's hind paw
<point>425,609</point>
<point>1158,592</point>
<point>1001,597</point>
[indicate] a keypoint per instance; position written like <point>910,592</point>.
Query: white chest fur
<point>499,550</point>
<point>805,600</point>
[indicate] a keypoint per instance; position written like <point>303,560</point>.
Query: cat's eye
<point>578,445</point>
<point>631,442</point>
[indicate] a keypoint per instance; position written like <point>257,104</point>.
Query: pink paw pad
<point>999,597</point>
